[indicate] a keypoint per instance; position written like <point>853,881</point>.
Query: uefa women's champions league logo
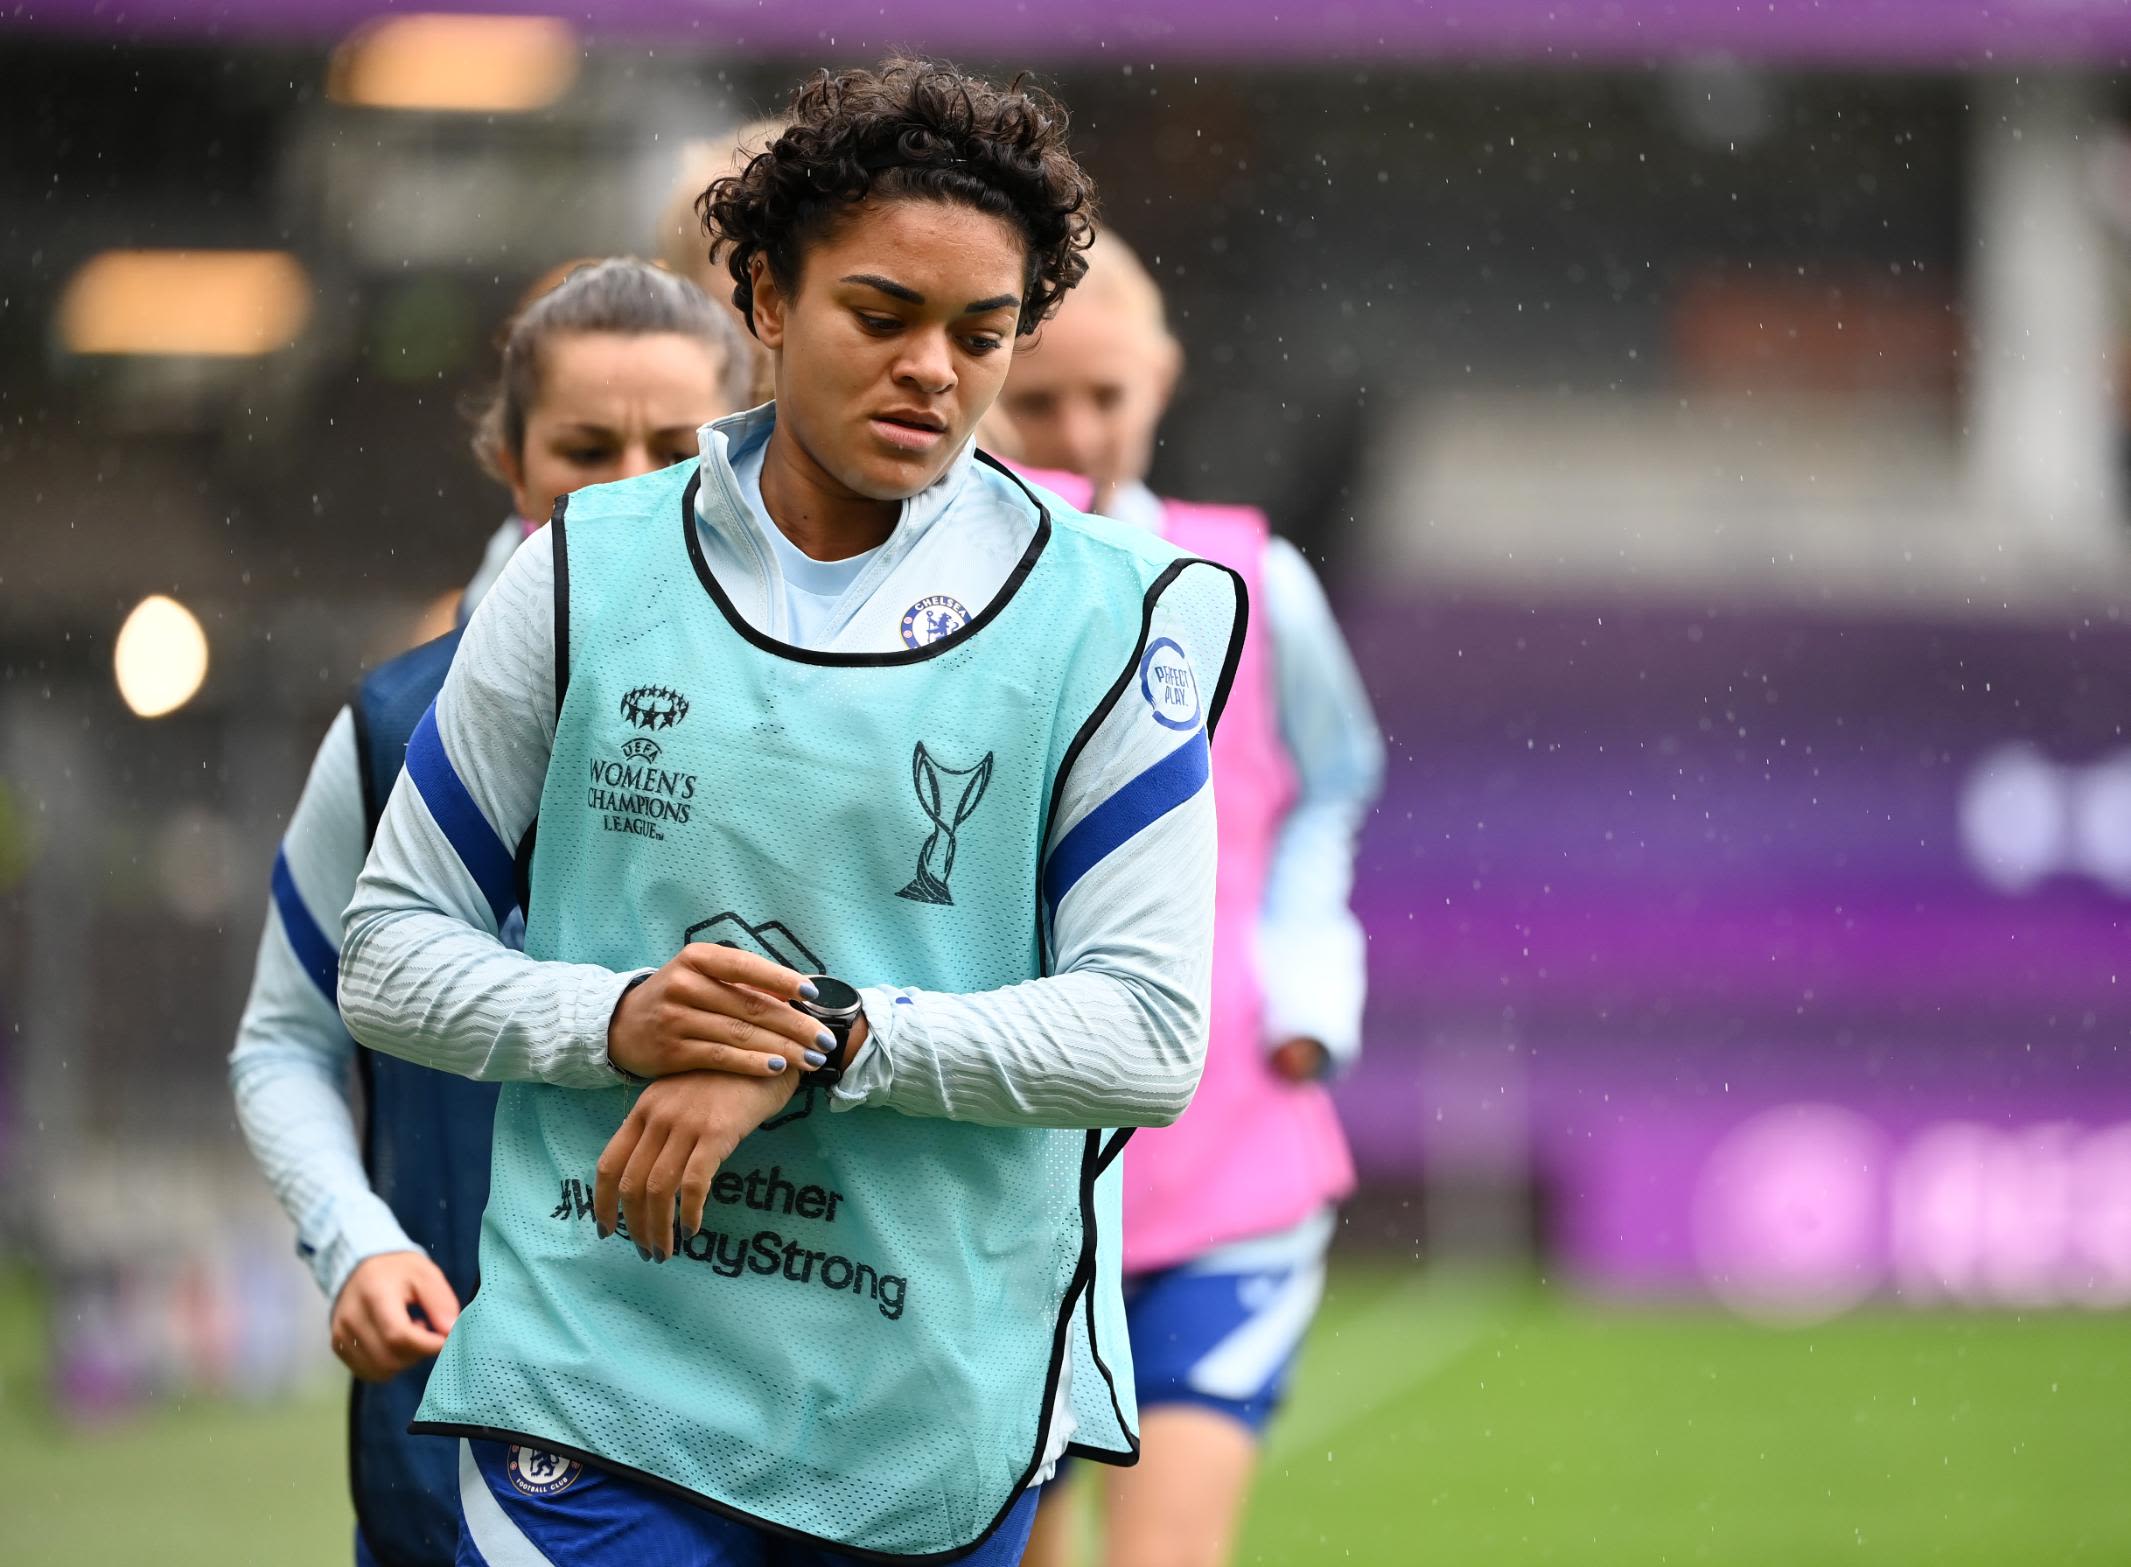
<point>949,796</point>
<point>654,707</point>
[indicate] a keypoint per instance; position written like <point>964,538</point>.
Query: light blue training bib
<point>862,1345</point>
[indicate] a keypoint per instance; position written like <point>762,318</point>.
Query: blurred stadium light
<point>212,303</point>
<point>160,657</point>
<point>462,64</point>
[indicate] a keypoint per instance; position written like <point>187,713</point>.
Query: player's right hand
<point>676,1135</point>
<point>715,1009</point>
<point>375,1333</point>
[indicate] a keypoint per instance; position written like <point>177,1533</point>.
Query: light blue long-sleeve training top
<point>291,1070</point>
<point>1311,949</point>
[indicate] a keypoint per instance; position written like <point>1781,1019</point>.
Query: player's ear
<point>770,302</point>
<point>1169,363</point>
<point>513,468</point>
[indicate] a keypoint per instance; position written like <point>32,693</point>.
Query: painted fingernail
<point>605,1230</point>
<point>776,1063</point>
<point>825,1040</point>
<point>807,991</point>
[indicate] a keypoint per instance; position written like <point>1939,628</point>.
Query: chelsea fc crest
<point>930,619</point>
<point>535,1473</point>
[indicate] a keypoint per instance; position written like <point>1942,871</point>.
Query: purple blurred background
<point>1642,875</point>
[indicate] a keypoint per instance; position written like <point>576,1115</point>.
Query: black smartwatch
<point>835,1007</point>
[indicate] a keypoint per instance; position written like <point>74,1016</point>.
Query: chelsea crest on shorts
<point>537,1473</point>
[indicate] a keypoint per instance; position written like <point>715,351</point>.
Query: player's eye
<point>880,324</point>
<point>984,343</point>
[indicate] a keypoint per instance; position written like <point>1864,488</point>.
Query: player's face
<point>1088,392</point>
<point>894,342</point>
<point>611,406</point>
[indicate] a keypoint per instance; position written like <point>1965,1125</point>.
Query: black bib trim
<point>946,644</point>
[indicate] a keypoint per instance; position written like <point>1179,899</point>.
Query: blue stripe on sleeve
<point>1139,805</point>
<point>312,950</point>
<point>465,828</point>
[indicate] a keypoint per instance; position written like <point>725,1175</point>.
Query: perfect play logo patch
<point>1165,680</point>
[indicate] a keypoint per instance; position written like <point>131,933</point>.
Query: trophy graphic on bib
<point>935,785</point>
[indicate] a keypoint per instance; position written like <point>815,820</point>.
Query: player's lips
<point>910,429</point>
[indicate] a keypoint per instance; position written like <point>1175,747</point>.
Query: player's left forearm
<point>1083,1049</point>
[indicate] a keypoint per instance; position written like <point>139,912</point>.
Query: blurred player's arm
<point>289,1070</point>
<point>1312,961</point>
<point>424,974</point>
<point>1116,1034</point>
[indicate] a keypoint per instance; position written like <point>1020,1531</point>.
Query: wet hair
<point>912,129</point>
<point>619,294</point>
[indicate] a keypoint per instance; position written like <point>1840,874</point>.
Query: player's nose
<point>926,362</point>
<point>1080,436</point>
<point>637,459</point>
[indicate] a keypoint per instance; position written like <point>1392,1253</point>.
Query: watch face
<point>832,995</point>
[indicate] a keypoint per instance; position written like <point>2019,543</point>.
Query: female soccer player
<point>684,246</point>
<point>1227,1213</point>
<point>843,717</point>
<point>606,375</point>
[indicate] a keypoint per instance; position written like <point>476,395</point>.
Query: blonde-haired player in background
<point>1228,1212</point>
<point>683,242</point>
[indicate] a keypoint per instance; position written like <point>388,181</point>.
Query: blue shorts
<point>1223,1340</point>
<point>519,1507</point>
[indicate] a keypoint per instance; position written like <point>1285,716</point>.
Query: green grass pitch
<point>1447,1420</point>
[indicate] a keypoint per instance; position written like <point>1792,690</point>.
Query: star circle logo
<point>654,707</point>
<point>537,1473</point>
<point>930,619</point>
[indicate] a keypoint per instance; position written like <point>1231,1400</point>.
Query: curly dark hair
<point>913,128</point>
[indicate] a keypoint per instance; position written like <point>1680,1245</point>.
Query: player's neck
<point>823,519</point>
<point>1106,493</point>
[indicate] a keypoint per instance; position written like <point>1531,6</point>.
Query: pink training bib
<point>1254,1154</point>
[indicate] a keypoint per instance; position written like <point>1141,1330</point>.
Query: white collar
<point>722,510</point>
<point>721,438</point>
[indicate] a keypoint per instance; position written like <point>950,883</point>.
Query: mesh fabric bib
<point>862,1344</point>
